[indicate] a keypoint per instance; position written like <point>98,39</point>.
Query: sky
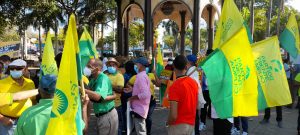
<point>295,4</point>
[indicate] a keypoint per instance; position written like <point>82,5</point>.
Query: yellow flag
<point>66,99</point>
<point>48,61</point>
<point>231,21</point>
<point>238,53</point>
<point>271,72</point>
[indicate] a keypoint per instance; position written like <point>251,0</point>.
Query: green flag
<point>289,38</point>
<point>231,76</point>
<point>87,48</point>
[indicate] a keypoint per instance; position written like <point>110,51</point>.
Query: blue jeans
<point>8,130</point>
<point>244,123</point>
<point>152,106</point>
<point>119,110</point>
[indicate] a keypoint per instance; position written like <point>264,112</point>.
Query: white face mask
<point>170,62</point>
<point>87,72</point>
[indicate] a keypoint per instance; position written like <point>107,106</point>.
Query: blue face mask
<point>16,74</point>
<point>136,69</point>
<point>111,70</point>
<point>147,70</point>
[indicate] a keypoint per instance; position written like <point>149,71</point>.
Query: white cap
<point>18,63</point>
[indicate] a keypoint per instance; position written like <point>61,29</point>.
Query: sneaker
<point>202,126</point>
<point>245,133</point>
<point>280,124</point>
<point>264,121</point>
<point>234,131</point>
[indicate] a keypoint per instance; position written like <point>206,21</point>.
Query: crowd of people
<point>110,85</point>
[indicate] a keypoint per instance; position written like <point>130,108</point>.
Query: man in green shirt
<point>102,95</point>
<point>34,121</point>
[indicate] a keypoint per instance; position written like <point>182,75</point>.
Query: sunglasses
<point>16,68</point>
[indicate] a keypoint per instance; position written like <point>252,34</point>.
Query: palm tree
<point>280,6</point>
<point>269,18</point>
<point>252,17</point>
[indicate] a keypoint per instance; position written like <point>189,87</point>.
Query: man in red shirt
<point>183,96</point>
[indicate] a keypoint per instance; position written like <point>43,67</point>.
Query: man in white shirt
<point>192,72</point>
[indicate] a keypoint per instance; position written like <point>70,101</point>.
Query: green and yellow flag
<point>231,77</point>
<point>274,87</point>
<point>231,21</point>
<point>159,61</point>
<point>66,103</point>
<point>48,62</point>
<point>289,38</point>
<point>87,48</point>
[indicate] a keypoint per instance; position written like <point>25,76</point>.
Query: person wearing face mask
<point>169,65</point>
<point>5,59</point>
<point>154,80</point>
<point>102,95</point>
<point>14,83</point>
<point>117,81</point>
<point>141,96</point>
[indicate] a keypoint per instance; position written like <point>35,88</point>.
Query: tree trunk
<point>23,45</point>
<point>269,18</point>
<point>102,42</point>
<point>280,6</point>
<point>40,41</point>
<point>252,18</point>
<point>56,38</point>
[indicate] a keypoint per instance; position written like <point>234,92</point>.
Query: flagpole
<point>82,90</point>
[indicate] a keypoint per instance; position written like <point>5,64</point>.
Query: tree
<point>203,38</point>
<point>109,40</point>
<point>136,34</point>
<point>172,29</point>
<point>9,34</point>
<point>169,40</point>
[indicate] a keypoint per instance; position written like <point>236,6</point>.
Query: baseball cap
<point>192,58</point>
<point>48,83</point>
<point>142,60</point>
<point>18,63</point>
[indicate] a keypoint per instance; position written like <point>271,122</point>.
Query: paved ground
<point>289,124</point>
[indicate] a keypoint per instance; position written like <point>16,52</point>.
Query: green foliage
<point>169,40</point>
<point>136,33</point>
<point>9,34</point>
<point>203,38</point>
<point>110,39</point>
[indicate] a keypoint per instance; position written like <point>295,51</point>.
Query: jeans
<point>152,106</point>
<point>197,131</point>
<point>206,111</point>
<point>8,130</point>
<point>278,112</point>
<point>244,123</point>
<point>120,127</point>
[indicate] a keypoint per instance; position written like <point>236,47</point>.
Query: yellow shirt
<point>8,85</point>
<point>117,80</point>
<point>5,99</point>
<point>151,77</point>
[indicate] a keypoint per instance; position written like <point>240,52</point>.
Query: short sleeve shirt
<point>34,121</point>
<point>8,85</point>
<point>117,80</point>
<point>185,92</point>
<point>151,77</point>
<point>6,99</point>
<point>102,86</point>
